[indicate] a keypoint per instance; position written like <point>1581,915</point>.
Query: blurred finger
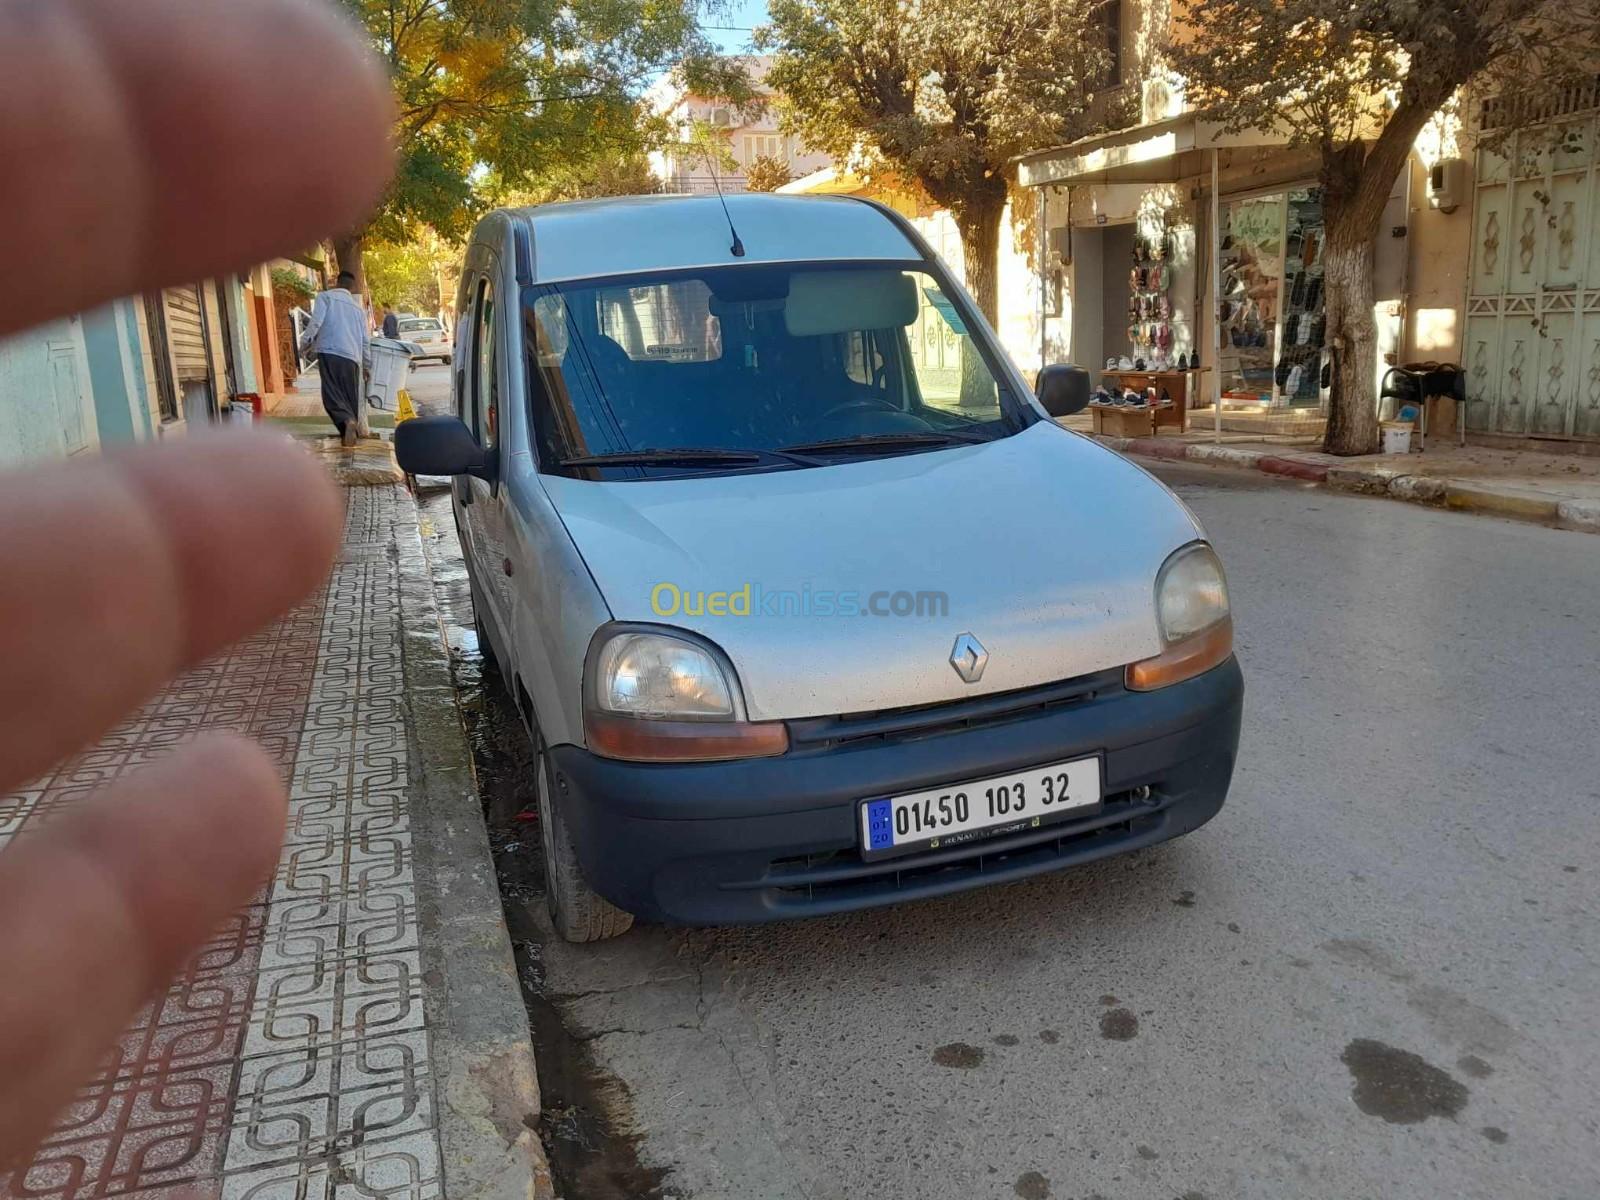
<point>104,905</point>
<point>163,141</point>
<point>123,571</point>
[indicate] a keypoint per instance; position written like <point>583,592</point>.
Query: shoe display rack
<point>1150,303</point>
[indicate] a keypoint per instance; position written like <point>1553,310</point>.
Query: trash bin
<point>391,368</point>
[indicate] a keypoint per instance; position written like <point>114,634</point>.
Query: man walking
<point>338,333</point>
<point>391,323</point>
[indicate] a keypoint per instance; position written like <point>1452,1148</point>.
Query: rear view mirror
<point>440,446</point>
<point>1062,389</point>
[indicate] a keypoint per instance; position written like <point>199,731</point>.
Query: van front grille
<point>951,716</point>
<point>803,879</point>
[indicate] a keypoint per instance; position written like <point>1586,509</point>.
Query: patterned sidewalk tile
<point>290,1061</point>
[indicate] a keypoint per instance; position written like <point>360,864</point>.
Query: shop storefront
<point>1191,252</point>
<point>1271,300</point>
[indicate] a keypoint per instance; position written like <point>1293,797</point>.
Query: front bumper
<point>777,838</point>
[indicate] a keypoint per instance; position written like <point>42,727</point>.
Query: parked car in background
<point>429,333</point>
<point>806,601</point>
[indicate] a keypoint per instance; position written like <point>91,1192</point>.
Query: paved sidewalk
<point>1554,489</point>
<point>357,1030</point>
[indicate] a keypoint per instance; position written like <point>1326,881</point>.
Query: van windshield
<point>771,366</point>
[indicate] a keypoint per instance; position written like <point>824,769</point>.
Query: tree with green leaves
<point>941,92</point>
<point>409,277</point>
<point>517,89</point>
<point>1356,81</point>
<point>764,173</point>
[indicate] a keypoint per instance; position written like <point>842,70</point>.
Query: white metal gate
<point>1532,343</point>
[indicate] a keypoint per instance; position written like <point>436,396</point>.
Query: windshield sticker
<point>946,310</point>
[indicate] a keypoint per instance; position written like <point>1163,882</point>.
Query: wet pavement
<point>592,1154</point>
<point>1374,974</point>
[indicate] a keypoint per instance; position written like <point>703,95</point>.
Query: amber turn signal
<point>636,739</point>
<point>1183,660</point>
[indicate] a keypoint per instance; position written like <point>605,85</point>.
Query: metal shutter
<point>186,332</point>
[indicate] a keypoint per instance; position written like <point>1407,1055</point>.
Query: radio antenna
<point>737,249</point>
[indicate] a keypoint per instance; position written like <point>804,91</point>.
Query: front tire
<point>485,646</point>
<point>580,913</point>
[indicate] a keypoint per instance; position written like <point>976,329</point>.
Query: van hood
<point>1043,545</point>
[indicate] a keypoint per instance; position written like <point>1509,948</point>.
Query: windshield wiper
<point>891,441</point>
<point>684,457</point>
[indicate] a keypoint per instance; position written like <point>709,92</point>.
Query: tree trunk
<point>1351,342</point>
<point>1356,182</point>
<point>349,250</point>
<point>978,222</point>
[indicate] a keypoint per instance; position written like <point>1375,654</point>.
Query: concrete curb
<point>1464,495</point>
<point>1579,514</point>
<point>486,1085</point>
<point>1519,506</point>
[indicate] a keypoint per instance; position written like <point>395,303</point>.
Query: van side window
<point>485,385</point>
<point>462,369</point>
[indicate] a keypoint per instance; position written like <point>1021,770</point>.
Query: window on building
<point>762,145</point>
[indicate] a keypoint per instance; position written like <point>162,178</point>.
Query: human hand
<point>150,144</point>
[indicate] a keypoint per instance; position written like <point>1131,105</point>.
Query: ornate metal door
<point>1533,305</point>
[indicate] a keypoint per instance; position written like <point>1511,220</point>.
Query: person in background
<point>391,323</point>
<point>338,335</point>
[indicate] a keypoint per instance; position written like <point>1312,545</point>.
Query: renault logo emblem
<point>969,658</point>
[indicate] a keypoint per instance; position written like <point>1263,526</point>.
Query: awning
<point>1160,152</point>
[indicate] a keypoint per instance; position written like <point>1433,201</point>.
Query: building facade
<point>1487,259</point>
<point>747,135</point>
<point>138,368</point>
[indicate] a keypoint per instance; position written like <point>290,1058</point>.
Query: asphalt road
<point>1374,974</point>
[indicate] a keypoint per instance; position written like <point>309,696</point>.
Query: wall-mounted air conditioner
<point>1447,184</point>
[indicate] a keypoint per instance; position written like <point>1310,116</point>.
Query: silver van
<point>807,602</point>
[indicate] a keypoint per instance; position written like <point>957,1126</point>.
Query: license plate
<point>967,812</point>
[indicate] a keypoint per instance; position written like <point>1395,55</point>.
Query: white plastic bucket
<point>1397,437</point>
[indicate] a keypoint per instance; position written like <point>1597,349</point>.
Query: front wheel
<point>447,360</point>
<point>580,913</point>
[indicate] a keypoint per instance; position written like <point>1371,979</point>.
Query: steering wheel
<point>867,402</point>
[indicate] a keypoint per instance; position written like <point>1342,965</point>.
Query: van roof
<point>622,235</point>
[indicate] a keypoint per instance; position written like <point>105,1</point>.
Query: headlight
<point>1196,624</point>
<point>654,696</point>
<point>1191,593</point>
<point>653,675</point>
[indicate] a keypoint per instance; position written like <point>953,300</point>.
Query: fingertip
<point>155,136</point>
<point>354,121</point>
<point>253,524</point>
<point>246,792</point>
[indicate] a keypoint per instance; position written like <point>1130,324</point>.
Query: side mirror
<point>1062,389</point>
<point>440,446</point>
